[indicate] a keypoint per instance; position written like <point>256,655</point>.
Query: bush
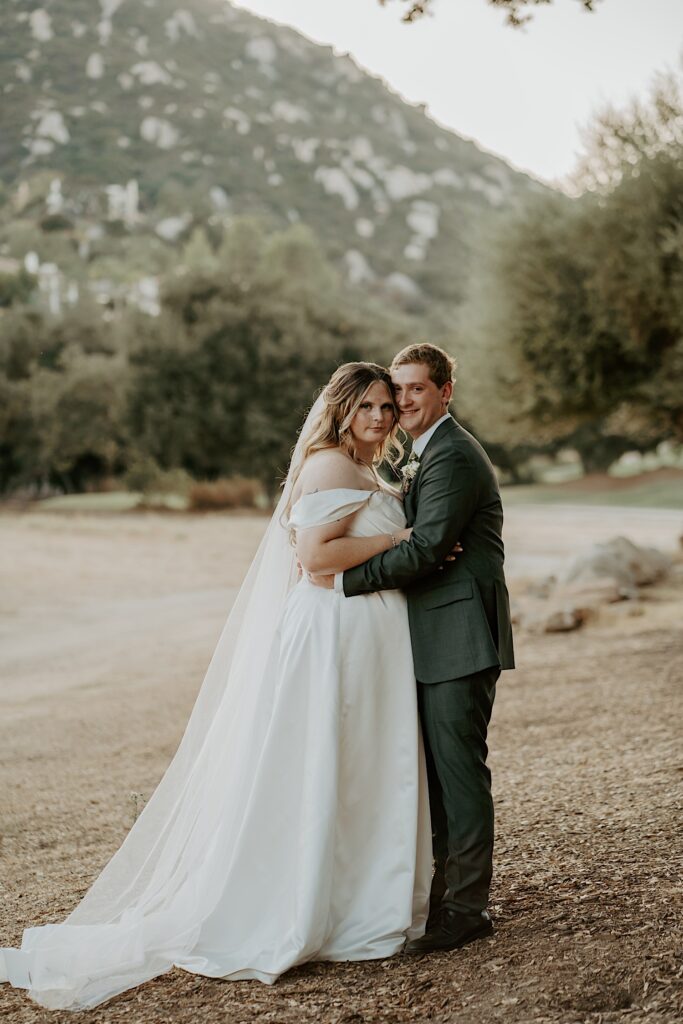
<point>56,222</point>
<point>145,475</point>
<point>230,492</point>
<point>16,288</point>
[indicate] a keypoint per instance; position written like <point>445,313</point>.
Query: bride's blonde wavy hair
<point>342,397</point>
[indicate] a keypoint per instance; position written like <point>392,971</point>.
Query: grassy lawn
<point>658,489</point>
<point>111,501</point>
<point>662,488</point>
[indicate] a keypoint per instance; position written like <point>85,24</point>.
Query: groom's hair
<point>441,366</point>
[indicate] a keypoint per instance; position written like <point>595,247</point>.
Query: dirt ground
<point>106,626</point>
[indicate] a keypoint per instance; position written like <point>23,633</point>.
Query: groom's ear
<point>447,392</point>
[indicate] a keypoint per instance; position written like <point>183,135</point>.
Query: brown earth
<point>106,626</point>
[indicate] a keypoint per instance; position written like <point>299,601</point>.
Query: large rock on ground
<point>608,573</point>
<point>620,561</point>
<point>562,619</point>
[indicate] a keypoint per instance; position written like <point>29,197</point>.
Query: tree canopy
<point>575,314</point>
<point>618,142</point>
<point>216,386</point>
<point>517,11</point>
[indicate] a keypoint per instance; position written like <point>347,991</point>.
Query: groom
<point>460,630</point>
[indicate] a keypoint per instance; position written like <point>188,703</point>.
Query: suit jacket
<point>459,611</point>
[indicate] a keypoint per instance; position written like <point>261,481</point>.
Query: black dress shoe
<point>453,930</point>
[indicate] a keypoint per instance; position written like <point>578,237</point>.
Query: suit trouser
<point>455,715</point>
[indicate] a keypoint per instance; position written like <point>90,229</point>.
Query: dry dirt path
<point>106,626</point>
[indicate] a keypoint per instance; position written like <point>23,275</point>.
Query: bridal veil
<point>146,908</point>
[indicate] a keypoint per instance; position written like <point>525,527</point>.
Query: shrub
<point>229,492</point>
<point>16,288</point>
<point>56,222</point>
<point>145,475</point>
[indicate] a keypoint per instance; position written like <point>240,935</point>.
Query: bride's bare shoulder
<point>330,468</point>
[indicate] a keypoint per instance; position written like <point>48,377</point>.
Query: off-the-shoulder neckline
<point>347,490</point>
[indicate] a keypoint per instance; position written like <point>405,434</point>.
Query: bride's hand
<point>403,534</point>
<point>324,580</point>
<point>457,549</point>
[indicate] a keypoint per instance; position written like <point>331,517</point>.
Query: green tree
<point>241,352</point>
<point>197,252</point>
<point>16,289</point>
<point>62,388</point>
<point>574,319</point>
<point>23,341</point>
<point>616,142</point>
<point>19,441</point>
<point>77,411</point>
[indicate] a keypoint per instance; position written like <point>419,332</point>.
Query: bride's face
<point>375,416</point>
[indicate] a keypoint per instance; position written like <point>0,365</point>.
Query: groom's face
<point>421,403</point>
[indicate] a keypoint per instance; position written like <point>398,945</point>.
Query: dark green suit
<point>461,637</point>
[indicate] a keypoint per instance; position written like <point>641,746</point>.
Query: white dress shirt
<point>419,445</point>
<point>421,442</point>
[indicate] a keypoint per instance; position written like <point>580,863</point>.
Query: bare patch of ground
<point>106,626</point>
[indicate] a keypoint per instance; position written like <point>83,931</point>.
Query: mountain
<point>210,109</point>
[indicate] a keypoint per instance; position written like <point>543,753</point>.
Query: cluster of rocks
<point>608,573</point>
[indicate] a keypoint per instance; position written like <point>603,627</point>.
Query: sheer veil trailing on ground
<point>145,910</point>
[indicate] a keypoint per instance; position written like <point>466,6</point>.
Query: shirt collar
<point>423,440</point>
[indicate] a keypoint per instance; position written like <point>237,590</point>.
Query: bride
<point>293,821</point>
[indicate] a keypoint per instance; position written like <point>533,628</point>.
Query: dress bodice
<point>378,511</point>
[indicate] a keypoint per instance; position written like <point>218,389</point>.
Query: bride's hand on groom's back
<point>454,552</point>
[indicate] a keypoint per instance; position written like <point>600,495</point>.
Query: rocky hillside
<point>208,107</point>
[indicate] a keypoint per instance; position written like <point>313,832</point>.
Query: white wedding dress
<point>292,826</point>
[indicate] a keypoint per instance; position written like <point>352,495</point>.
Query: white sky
<point>523,94</point>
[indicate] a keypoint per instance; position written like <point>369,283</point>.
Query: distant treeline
<point>216,385</point>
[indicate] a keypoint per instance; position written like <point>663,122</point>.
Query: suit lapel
<point>441,432</point>
<point>411,498</point>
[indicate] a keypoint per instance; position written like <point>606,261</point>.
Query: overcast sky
<point>521,93</point>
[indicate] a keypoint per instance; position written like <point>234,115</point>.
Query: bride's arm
<point>326,550</point>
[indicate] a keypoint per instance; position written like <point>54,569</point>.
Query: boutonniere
<point>409,471</point>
